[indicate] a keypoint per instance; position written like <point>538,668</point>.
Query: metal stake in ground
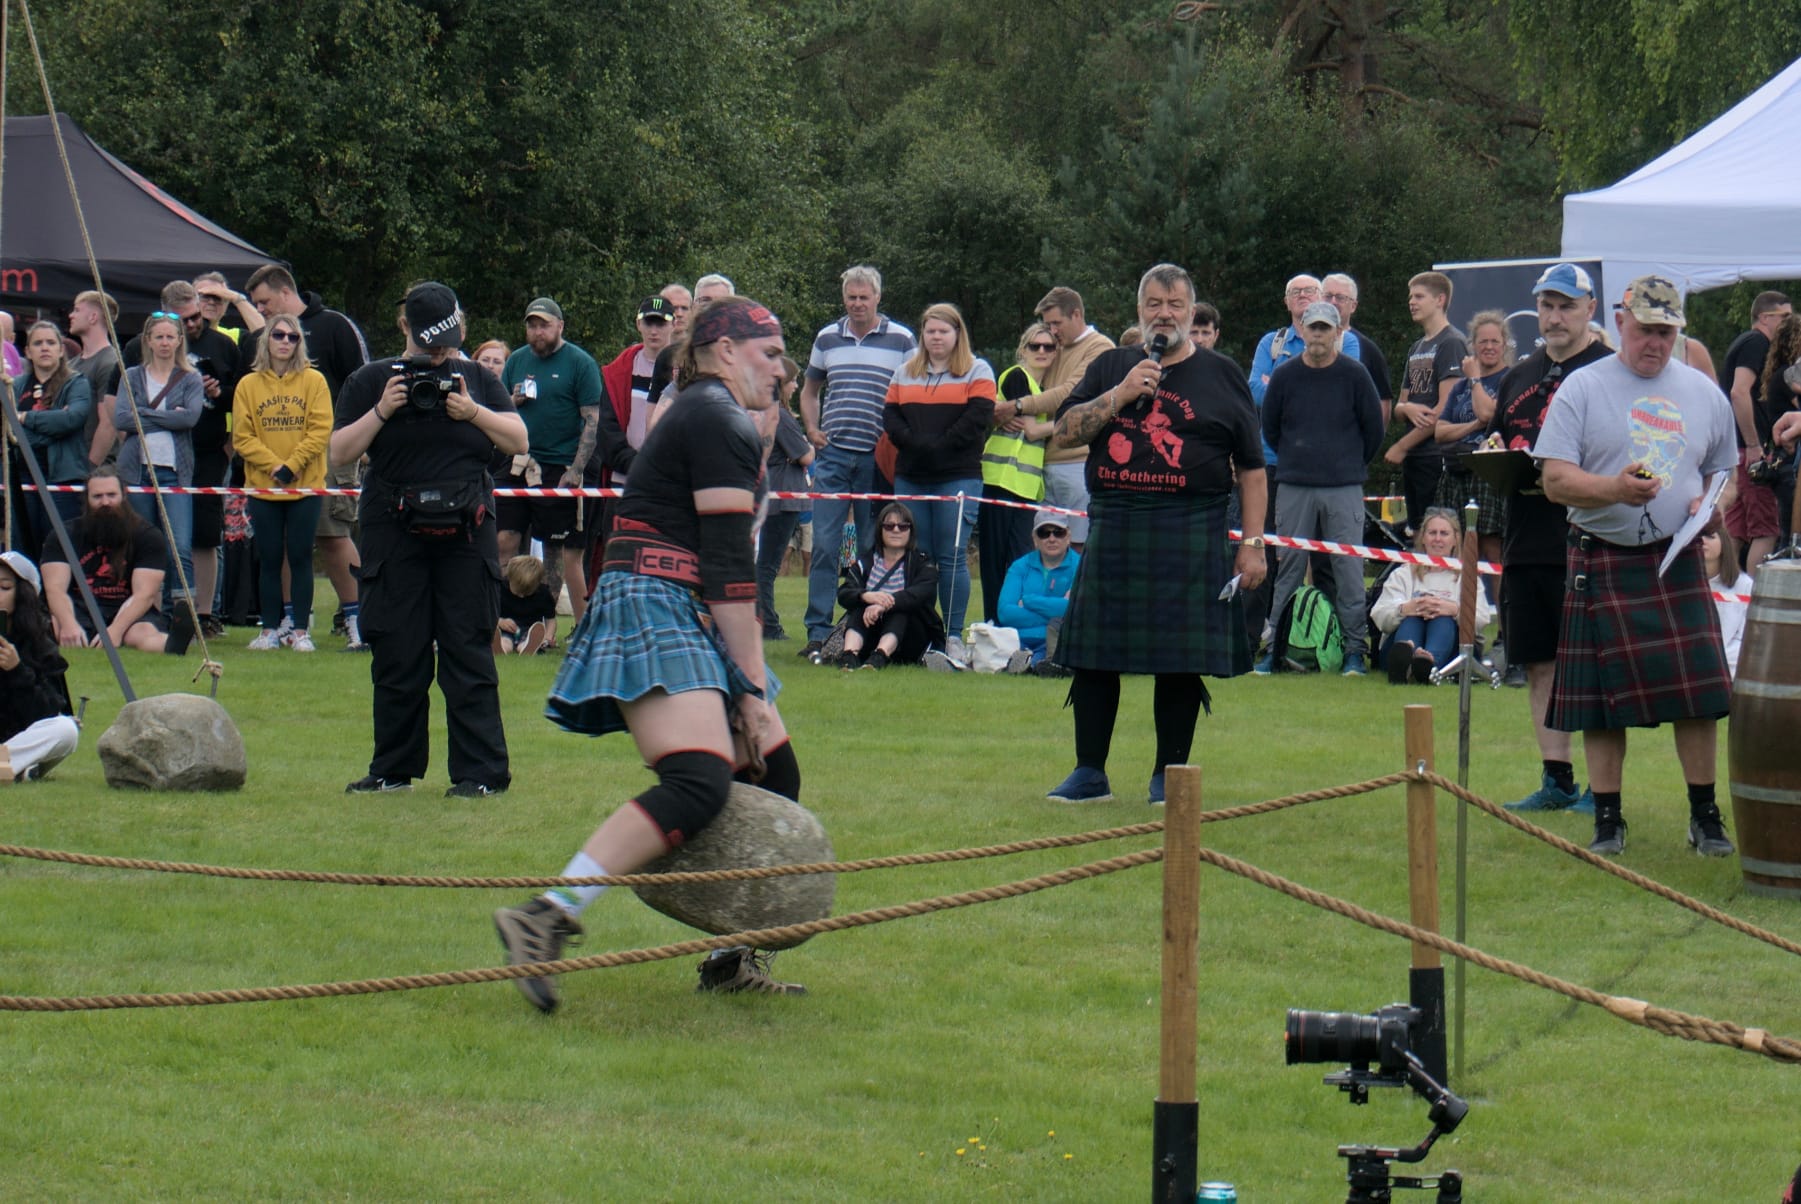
<point>1176,1114</point>
<point>1426,978</point>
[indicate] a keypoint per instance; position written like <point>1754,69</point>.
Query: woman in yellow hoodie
<point>281,424</point>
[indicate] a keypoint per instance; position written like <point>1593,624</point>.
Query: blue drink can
<point>1216,1190</point>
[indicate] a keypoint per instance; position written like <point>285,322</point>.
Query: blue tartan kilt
<point>640,634</point>
<point>1146,595</point>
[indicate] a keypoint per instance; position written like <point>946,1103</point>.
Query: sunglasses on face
<point>1051,533</point>
<point>285,336</point>
<point>897,526</point>
<point>1041,346</point>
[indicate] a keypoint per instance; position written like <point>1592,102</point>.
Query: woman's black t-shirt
<point>704,440</point>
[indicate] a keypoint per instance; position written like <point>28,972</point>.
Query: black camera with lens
<point>1378,1048</point>
<point>1768,471</point>
<point>427,383</point>
<point>1383,1037</point>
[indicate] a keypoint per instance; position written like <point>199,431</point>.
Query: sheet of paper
<point>1697,520</point>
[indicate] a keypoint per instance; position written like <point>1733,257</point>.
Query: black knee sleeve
<point>691,790</point>
<point>781,774</point>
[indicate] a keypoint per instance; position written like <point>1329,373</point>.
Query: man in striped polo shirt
<point>852,360</point>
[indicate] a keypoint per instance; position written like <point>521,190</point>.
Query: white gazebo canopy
<point>1721,207</point>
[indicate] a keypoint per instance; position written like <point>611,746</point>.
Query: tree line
<point>976,153</point>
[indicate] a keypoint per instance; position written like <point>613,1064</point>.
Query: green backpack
<point>1308,639</point>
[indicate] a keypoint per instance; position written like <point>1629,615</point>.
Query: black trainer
<point>536,932</point>
<point>1610,834</point>
<point>471,789</point>
<point>809,650</point>
<point>378,785</point>
<point>1707,833</point>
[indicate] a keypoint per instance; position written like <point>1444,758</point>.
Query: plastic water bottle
<point>1216,1190</point>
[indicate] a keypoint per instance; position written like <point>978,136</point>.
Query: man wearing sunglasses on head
<point>215,357</point>
<point>1532,539</point>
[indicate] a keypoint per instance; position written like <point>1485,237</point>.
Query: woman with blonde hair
<point>1417,609</point>
<point>281,424</point>
<point>938,410</point>
<point>1013,464</point>
<point>169,400</point>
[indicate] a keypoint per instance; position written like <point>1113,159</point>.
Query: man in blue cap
<point>1532,542</point>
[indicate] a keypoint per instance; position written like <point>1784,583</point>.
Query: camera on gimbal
<point>427,383</point>
<point>1378,1048</point>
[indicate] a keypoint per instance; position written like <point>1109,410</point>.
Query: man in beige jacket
<point>1078,344</point>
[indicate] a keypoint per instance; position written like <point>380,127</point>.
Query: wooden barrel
<point>1764,750</point>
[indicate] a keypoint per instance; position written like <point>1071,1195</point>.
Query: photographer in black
<point>429,423</point>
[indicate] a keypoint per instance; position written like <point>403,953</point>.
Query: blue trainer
<point>1353,665</point>
<point>1586,804</point>
<point>1266,666</point>
<point>1083,785</point>
<point>1157,789</point>
<point>1549,797</point>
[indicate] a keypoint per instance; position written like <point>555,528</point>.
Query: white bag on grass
<point>990,647</point>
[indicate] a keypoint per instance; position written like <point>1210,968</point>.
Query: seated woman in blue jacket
<point>1036,592</point>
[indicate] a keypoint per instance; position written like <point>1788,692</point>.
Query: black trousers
<point>416,594</point>
<point>1003,535</point>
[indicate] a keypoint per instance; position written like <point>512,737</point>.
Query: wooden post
<point>1176,1114</point>
<point>1426,979</point>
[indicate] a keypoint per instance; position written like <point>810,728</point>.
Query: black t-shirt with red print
<point>1187,439</point>
<point>110,577</point>
<point>1536,526</point>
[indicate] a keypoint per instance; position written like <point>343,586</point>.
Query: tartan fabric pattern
<point>1146,597</point>
<point>639,634</point>
<point>1459,485</point>
<point>1636,649</point>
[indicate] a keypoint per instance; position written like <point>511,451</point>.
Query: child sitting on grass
<point>528,614</point>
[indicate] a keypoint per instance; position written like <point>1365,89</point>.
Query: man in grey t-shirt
<point>1629,446</point>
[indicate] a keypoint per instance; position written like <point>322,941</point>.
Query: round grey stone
<point>173,742</point>
<point>756,828</point>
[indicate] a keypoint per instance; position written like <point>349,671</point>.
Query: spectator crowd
<point>227,386</point>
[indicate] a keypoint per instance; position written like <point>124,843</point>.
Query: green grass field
<point>1006,1051</point>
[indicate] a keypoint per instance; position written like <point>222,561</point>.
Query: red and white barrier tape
<point>1387,555</point>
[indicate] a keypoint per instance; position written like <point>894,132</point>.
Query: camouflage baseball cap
<point>1654,301</point>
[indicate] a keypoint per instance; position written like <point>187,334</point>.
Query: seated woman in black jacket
<point>890,598</point>
<point>36,729</point>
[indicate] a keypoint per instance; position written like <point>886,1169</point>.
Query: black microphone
<point>1154,353</point>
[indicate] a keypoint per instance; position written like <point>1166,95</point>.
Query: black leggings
<point>1175,708</point>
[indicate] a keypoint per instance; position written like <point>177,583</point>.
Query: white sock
<point>575,899</point>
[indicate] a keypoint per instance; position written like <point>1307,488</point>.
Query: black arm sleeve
<point>728,565</point>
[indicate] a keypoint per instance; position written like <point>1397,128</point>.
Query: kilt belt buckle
<point>1585,541</point>
<point>1579,583</point>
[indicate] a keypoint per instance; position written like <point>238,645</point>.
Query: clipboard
<point>1508,471</point>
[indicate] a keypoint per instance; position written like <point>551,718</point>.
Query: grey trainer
<point>536,932</point>
<point>741,968</point>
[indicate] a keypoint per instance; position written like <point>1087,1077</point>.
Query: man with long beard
<point>124,560</point>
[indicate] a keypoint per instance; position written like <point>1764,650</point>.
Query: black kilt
<point>1146,596</point>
